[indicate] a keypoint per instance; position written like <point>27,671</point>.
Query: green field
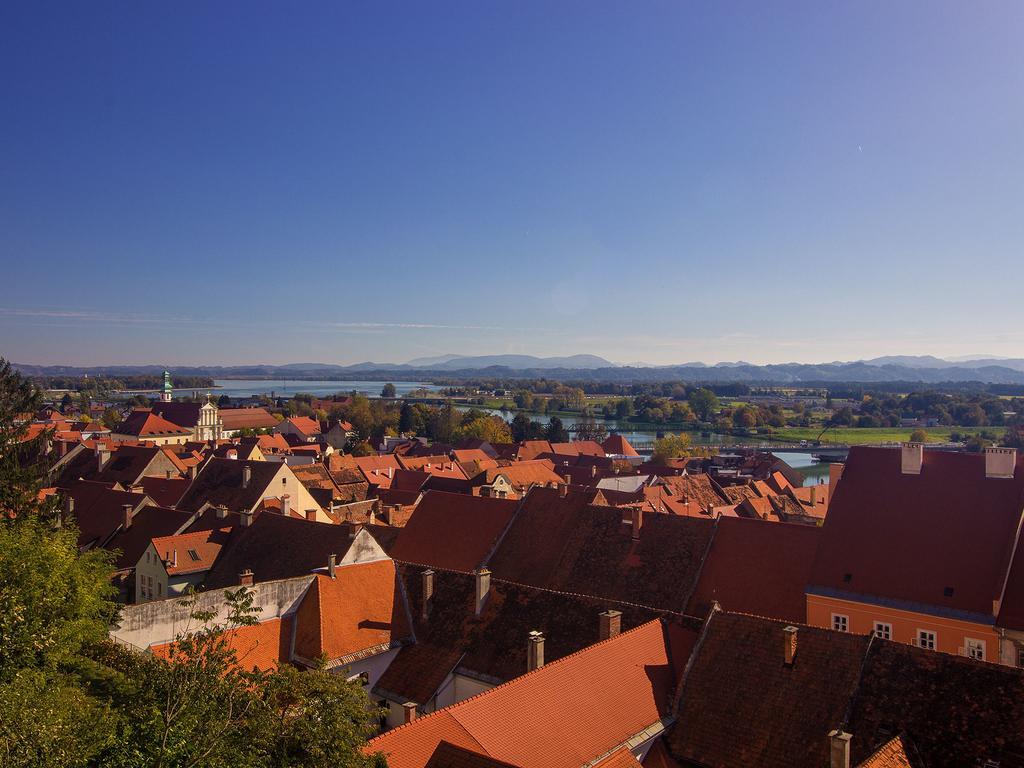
<point>854,436</point>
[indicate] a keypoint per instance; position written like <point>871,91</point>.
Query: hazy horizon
<point>340,183</point>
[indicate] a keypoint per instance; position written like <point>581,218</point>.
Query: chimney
<point>609,623</point>
<point>535,651</point>
<point>246,518</point>
<point>286,505</point>
<point>638,520</point>
<point>311,515</point>
<point>563,490</point>
<point>193,471</point>
<point>62,448</point>
<point>839,749</point>
<point>102,456</point>
<point>246,476</point>
<point>1000,462</point>
<point>174,559</point>
<point>814,495</point>
<point>170,474</point>
<point>483,589</point>
<point>69,506</point>
<point>222,512</point>
<point>126,516</point>
<point>332,565</point>
<point>428,592</point>
<point>245,578</point>
<point>835,471</point>
<point>789,644</point>
<point>912,456</point>
<point>391,472</point>
<point>593,470</point>
<point>410,711</point>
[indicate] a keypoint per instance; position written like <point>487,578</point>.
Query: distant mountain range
<point>924,369</point>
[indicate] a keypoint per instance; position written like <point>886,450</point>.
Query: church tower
<point>165,394</point>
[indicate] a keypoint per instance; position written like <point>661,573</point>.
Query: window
<point>974,649</point>
<point>840,623</point>
<point>883,630</point>
<point>194,555</point>
<point>159,588</point>
<point>1020,656</point>
<point>926,639</point>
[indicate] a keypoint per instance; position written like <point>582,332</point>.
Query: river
<point>288,387</point>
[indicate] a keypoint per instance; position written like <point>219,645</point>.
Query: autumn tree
<point>671,447</point>
<point>704,403</point>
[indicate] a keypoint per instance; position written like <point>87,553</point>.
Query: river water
<point>289,387</point>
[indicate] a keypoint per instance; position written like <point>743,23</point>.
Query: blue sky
<point>337,182</point>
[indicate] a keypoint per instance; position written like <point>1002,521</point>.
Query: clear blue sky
<point>281,182</point>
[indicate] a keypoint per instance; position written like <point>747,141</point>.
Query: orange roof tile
<point>892,754</point>
<point>261,646</point>
<point>361,608</point>
<point>566,713</point>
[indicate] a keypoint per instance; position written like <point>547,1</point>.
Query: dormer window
<point>194,555</point>
<point>947,592</point>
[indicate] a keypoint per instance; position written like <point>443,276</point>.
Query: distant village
<point>536,602</point>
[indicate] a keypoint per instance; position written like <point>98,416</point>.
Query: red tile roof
<point>892,754</point>
<point>192,552</point>
<point>358,610</point>
<point>453,531</point>
<point>307,426</point>
<point>566,713</point>
<point>578,447</point>
<point>144,423</point>
<point>261,646</point>
<point>757,567</point>
<point>620,758</point>
<point>941,539</point>
<point>246,418</point>
<point>617,445</point>
<point>166,492</point>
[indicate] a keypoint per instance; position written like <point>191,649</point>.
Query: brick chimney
<point>410,711</point>
<point>126,516</point>
<point>428,593</point>
<point>839,749</point>
<point>609,624</point>
<point>912,455</point>
<point>332,565</point>
<point>1000,462</point>
<point>245,578</point>
<point>835,471</point>
<point>535,651</point>
<point>246,518</point>
<point>637,518</point>
<point>789,644</point>
<point>311,515</point>
<point>246,476</point>
<point>286,505</point>
<point>483,589</point>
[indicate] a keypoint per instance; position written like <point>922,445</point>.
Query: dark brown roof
<point>453,531</point>
<point>567,545</point>
<point>757,567</point>
<point>148,522</point>
<point>180,413</point>
<point>278,547</point>
<point>246,418</point>
<point>99,510</point>
<point>740,705</point>
<point>129,463</point>
<point>220,483</point>
<point>940,541</point>
<point>448,755</point>
<point>951,711</point>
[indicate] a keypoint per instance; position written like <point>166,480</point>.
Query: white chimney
<point>839,749</point>
<point>535,651</point>
<point>912,454</point>
<point>286,505</point>
<point>483,589</point>
<point>1000,462</point>
<point>246,476</point>
<point>428,592</point>
<point>246,518</point>
<point>332,564</point>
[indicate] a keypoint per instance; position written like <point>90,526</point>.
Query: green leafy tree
<point>388,390</point>
<point>555,432</point>
<point>919,436</point>
<point>704,403</point>
<point>588,429</point>
<point>671,447</point>
<point>20,455</point>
